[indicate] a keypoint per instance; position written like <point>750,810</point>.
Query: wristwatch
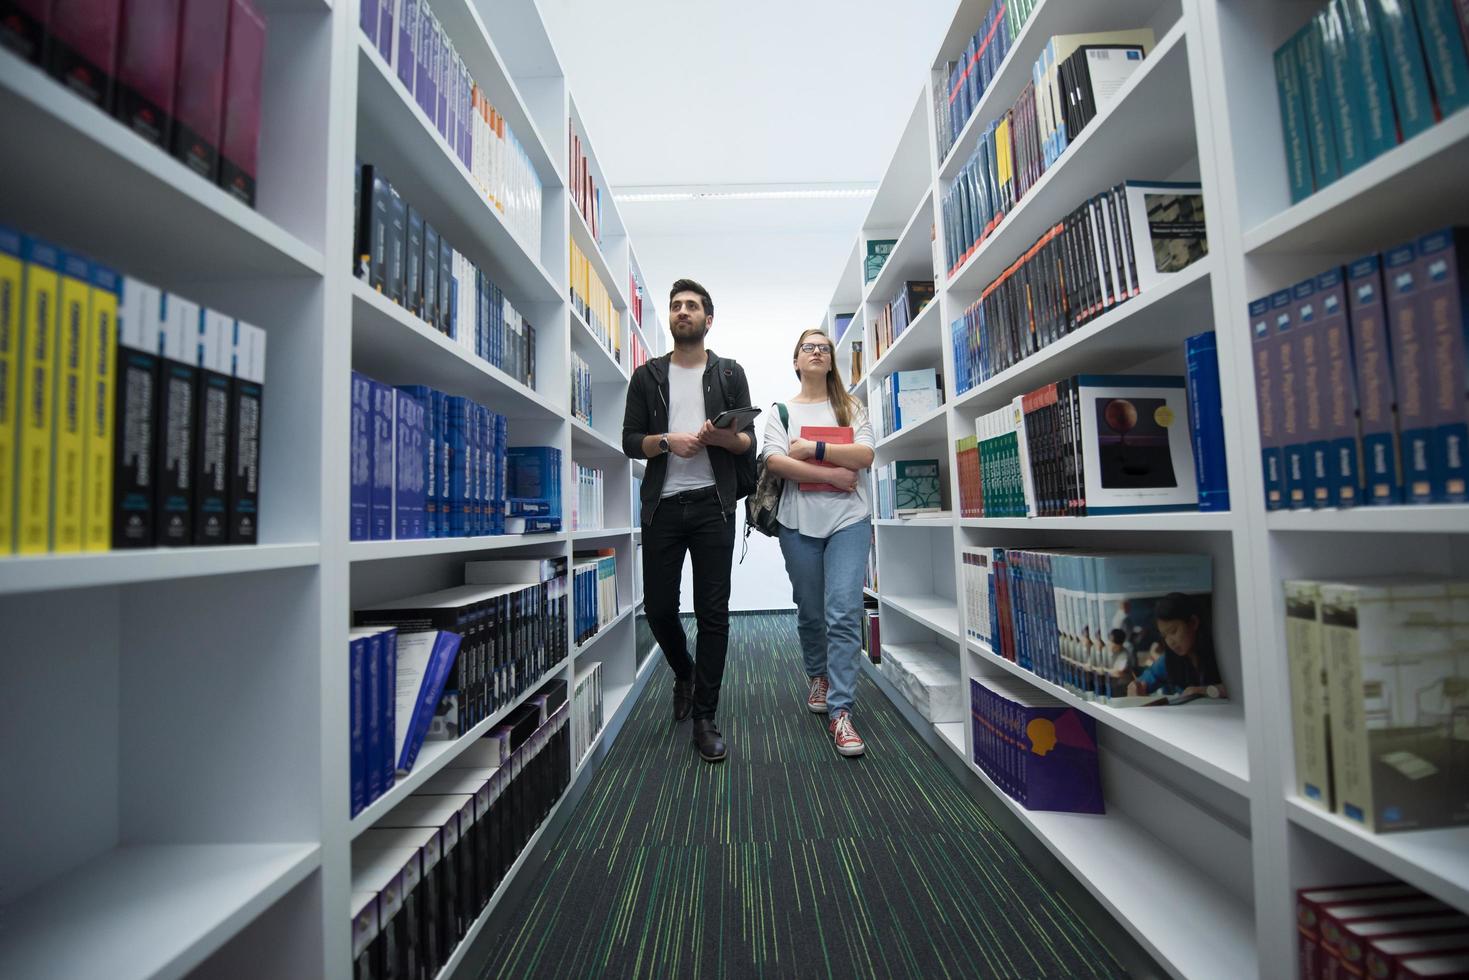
<point>663,443</point>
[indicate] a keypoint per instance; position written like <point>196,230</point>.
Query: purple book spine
<point>408,485</point>
<point>1372,361</point>
<point>1262,344</point>
<point>1296,473</point>
<point>385,36</point>
<point>404,48</point>
<point>1441,279</point>
<point>1411,355</point>
<point>1339,391</point>
<point>360,464</point>
<point>1311,361</point>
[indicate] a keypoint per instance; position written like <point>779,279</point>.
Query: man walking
<point>689,493</point>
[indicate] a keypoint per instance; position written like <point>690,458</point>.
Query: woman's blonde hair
<point>843,405</point>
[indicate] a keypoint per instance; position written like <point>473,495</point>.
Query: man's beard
<point>684,335</point>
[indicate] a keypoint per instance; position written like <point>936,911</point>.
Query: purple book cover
<point>1311,361</point>
<point>1058,752</point>
<point>421,58</point>
<point>360,462</point>
<point>410,478</point>
<point>441,80</point>
<point>1411,358</point>
<point>23,27</point>
<point>199,91</point>
<point>81,49</point>
<point>1376,397</point>
<point>378,744</point>
<point>244,83</point>
<point>1339,391</point>
<point>1290,422</point>
<point>1441,279</point>
<point>367,18</point>
<point>382,462</point>
<point>147,67</point>
<point>1262,350</point>
<point>388,706</point>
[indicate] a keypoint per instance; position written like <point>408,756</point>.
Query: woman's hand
<point>843,479</point>
<point>801,449</point>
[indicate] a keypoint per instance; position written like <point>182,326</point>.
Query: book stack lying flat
<point>928,676</point>
<point>1361,374</point>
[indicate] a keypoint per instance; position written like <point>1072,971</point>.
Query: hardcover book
<point>360,463</point>
<point>1339,447</point>
<point>1443,273</point>
<point>1206,422</point>
<point>1308,693</point>
<point>383,464</point>
<point>23,27</point>
<point>1377,402</point>
<point>81,47</point>
<point>247,408</point>
<point>135,413</point>
<point>1167,225</point>
<point>214,347</point>
<point>98,383</point>
<point>199,92</point>
<point>1412,371</point>
<point>878,250</point>
<point>174,444</point>
<point>12,288</point>
<point>840,435</point>
<point>243,90</point>
<point>36,403</point>
<point>918,488</point>
<point>68,449</point>
<point>410,472</point>
<point>147,67</point>
<point>1136,452</point>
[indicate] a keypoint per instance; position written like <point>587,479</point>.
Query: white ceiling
<point>694,92</point>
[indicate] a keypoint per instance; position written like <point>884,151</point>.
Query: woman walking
<point>824,442</point>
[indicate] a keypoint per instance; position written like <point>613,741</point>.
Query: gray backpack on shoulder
<point>762,506</point>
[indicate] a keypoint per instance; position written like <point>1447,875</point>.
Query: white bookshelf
<point>190,813</point>
<point>1203,106</point>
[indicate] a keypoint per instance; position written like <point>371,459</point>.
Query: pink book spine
<point>147,66</point>
<point>199,92</point>
<point>244,81</point>
<point>81,49</point>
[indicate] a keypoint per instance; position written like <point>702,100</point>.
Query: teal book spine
<point>1344,97</point>
<point>1364,45</point>
<point>1444,51</point>
<point>1411,98</point>
<point>1320,134</point>
<point>1293,122</point>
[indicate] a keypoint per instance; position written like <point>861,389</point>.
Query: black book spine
<point>174,445</point>
<point>397,232</point>
<point>376,205</point>
<point>135,423</point>
<point>21,32</point>
<point>246,416</point>
<point>211,459</point>
<point>446,286</point>
<point>413,264</point>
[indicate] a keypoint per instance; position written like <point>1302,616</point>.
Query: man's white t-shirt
<point>686,414</point>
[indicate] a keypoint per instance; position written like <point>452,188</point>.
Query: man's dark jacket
<point>647,414</point>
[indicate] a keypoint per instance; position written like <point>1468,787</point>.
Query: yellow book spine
<point>1002,152</point>
<point>12,286</point>
<point>71,349</point>
<point>37,407</point>
<point>100,405</point>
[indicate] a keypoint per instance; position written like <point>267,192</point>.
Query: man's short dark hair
<point>689,286</point>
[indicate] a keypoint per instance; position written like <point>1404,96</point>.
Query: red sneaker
<point>848,742</point>
<point>816,697</point>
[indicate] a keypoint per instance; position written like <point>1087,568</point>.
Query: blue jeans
<point>826,581</point>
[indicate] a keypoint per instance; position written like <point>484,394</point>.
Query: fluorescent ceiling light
<point>744,192</point>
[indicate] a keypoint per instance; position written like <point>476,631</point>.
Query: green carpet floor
<point>786,860</point>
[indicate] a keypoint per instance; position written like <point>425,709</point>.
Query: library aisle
<point>789,860</point>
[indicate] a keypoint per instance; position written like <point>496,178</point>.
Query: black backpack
<point>746,465</point>
<point>763,502</point>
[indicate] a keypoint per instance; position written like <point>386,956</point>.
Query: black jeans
<point>692,522</point>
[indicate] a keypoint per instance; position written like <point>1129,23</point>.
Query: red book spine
<point>199,92</point>
<point>81,49</point>
<point>244,81</point>
<point>23,27</point>
<point>840,435</point>
<point>147,68</point>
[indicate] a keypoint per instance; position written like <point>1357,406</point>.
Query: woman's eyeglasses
<point>816,348</point>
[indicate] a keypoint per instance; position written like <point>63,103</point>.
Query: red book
<point>244,77</point>
<point>81,49</point>
<point>23,27</point>
<point>199,93</point>
<point>841,435</point>
<point>147,67</point>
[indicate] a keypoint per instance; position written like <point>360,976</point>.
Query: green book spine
<point>1344,100</point>
<point>1292,121</point>
<point>1364,45</point>
<point>1320,137</point>
<point>1412,100</point>
<point>1443,48</point>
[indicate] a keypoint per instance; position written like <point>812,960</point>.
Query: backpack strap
<point>785,419</point>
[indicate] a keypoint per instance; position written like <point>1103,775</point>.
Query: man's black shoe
<point>708,739</point>
<point>683,699</point>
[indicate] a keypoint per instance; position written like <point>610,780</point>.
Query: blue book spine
<point>407,25</point>
<point>479,470</point>
<point>1339,392</point>
<point>1320,134</point>
<point>382,462</point>
<point>409,476</point>
<point>502,435</point>
<point>428,398</point>
<point>441,464</point>
<point>455,407</point>
<point>1372,365</point>
<point>1442,275</point>
<point>1412,100</point>
<point>356,708</point>
<point>1293,121</point>
<point>375,749</point>
<point>1296,469</point>
<point>440,662</point>
<point>1311,361</point>
<point>385,30</point>
<point>360,465</point>
<point>1444,51</point>
<point>1206,421</point>
<point>388,708</point>
<point>1412,369</point>
<point>367,18</point>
